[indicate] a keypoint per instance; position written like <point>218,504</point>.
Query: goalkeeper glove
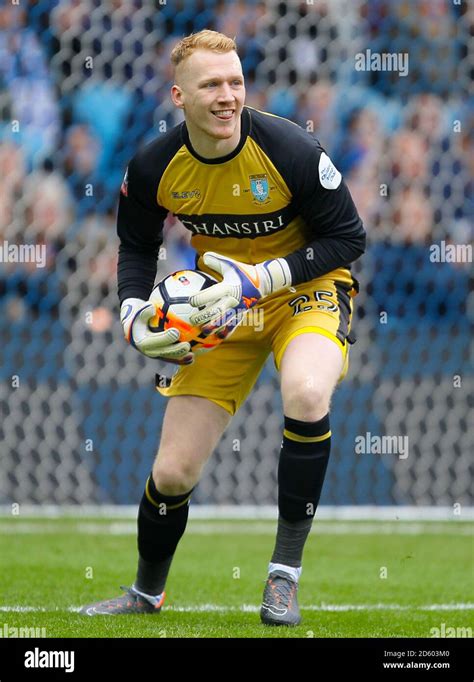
<point>135,315</point>
<point>241,288</point>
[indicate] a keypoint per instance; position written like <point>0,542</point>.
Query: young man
<point>270,213</point>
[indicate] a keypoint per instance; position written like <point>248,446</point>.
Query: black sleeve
<point>139,227</point>
<point>323,200</point>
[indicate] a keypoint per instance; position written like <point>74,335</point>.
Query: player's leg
<point>310,328</point>
<point>191,429</point>
<point>179,462</point>
<point>310,368</point>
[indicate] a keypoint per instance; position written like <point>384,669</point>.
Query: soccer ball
<point>171,300</point>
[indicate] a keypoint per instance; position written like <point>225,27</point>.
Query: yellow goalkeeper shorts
<point>227,374</point>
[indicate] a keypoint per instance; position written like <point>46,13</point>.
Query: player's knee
<point>172,478</point>
<point>306,402</point>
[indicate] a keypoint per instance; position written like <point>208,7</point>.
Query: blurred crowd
<point>83,83</point>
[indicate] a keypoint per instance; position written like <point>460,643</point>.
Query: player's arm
<point>324,201</point>
<point>139,226</point>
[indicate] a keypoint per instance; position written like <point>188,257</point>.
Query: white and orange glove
<point>241,288</point>
<point>135,314</point>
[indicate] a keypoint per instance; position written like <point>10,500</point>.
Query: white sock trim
<point>291,570</point>
<point>152,598</point>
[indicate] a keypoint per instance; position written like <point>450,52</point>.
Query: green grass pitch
<point>360,579</point>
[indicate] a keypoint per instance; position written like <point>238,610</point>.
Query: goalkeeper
<point>272,218</point>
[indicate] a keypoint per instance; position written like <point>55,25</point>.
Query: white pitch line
<point>257,528</point>
<point>250,512</point>
<point>249,608</point>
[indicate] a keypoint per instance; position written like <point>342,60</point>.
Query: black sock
<point>290,541</point>
<point>303,461</point>
<point>161,523</point>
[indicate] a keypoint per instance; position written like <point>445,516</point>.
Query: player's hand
<point>135,314</point>
<point>241,288</point>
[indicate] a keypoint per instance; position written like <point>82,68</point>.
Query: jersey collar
<point>244,131</point>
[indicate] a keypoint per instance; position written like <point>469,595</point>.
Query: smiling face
<point>210,89</point>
